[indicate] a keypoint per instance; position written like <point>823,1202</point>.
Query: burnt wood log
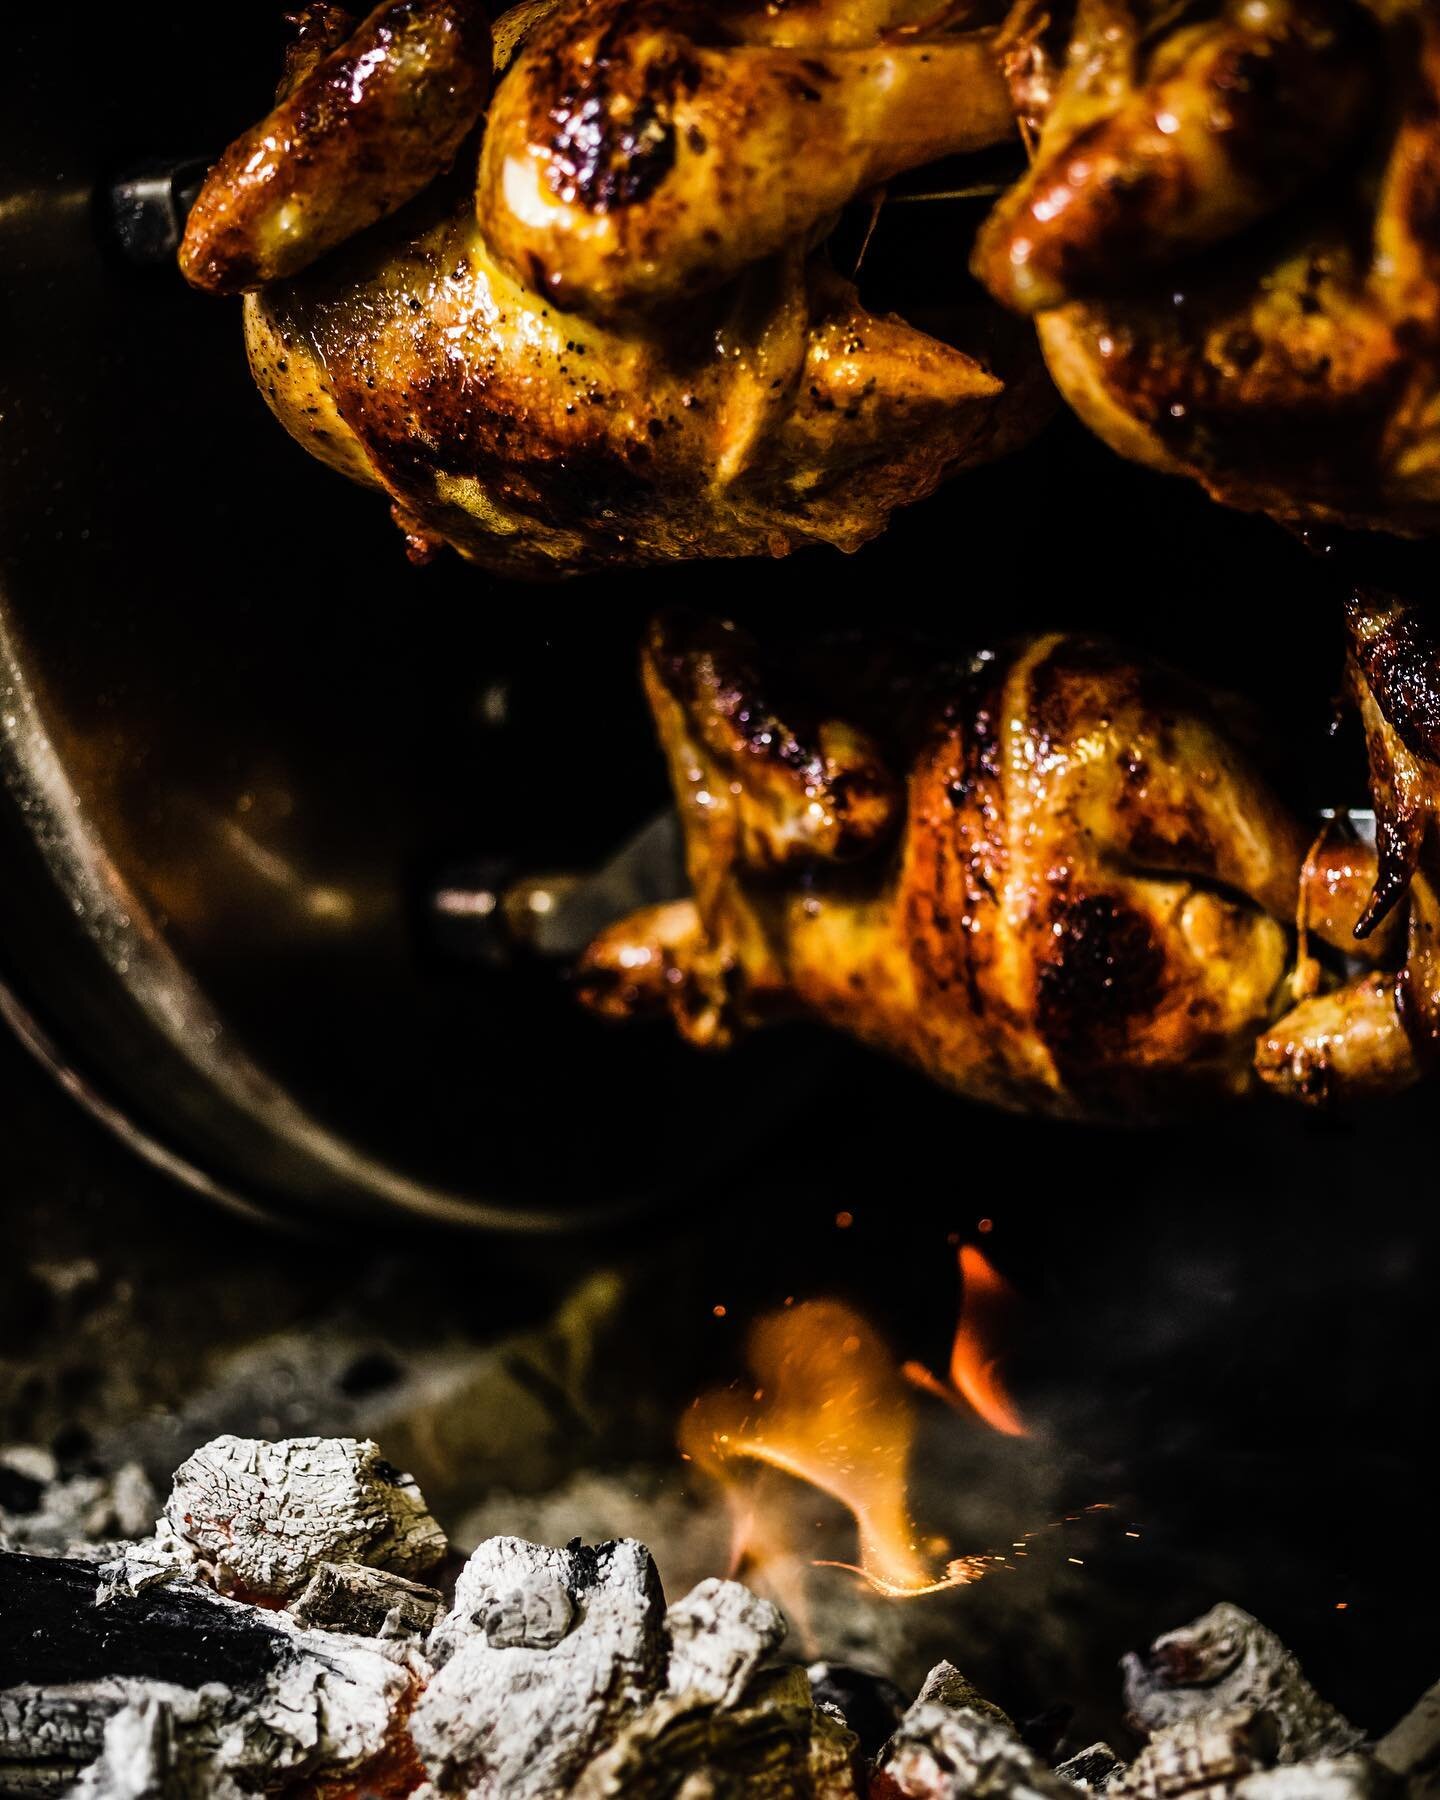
<point>578,1648</point>
<point>942,1751</point>
<point>55,1632</point>
<point>774,1744</point>
<point>257,1518</point>
<point>1227,1659</point>
<point>242,1694</point>
<point>1096,1767</point>
<point>719,1635</point>
<point>1202,1754</point>
<point>367,1602</point>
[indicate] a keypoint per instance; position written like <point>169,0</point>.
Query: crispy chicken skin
<point>1292,367</point>
<point>538,387</point>
<point>1079,900</point>
<point>539,443</point>
<point>364,121</point>
<point>643,151</point>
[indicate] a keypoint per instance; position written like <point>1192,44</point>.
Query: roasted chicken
<point>1229,237</point>
<point>626,344</point>
<point>1384,1030</point>
<point>1050,880</point>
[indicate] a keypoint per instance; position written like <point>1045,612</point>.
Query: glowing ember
<point>985,1297</point>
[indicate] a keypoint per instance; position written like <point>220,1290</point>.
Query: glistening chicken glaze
<point>1076,896</point>
<point>627,346</point>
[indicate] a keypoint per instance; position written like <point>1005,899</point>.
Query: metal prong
<point>484,914</point>
<point>143,212</point>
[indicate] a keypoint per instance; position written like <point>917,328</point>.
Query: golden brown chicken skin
<point>1229,237</point>
<point>540,443</point>
<point>475,369</point>
<point>1078,899</point>
<point>642,151</point>
<point>364,121</point>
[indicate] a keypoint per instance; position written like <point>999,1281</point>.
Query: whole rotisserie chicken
<point>610,334</point>
<point>1075,895</point>
<point>1229,237</point>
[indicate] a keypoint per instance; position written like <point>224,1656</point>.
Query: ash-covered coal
<point>288,1646</point>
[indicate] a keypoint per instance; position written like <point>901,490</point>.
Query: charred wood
<point>367,1602</point>
<point>946,1686</point>
<point>1227,1659</point>
<point>216,1691</point>
<point>719,1635</point>
<point>260,1517</point>
<point>519,1715</point>
<point>871,1705</point>
<point>1202,1756</point>
<point>1096,1767</point>
<point>775,1744</point>
<point>943,1751</point>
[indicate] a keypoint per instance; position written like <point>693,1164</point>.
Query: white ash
<point>261,1516</point>
<point>945,1752</point>
<point>719,1635</point>
<point>1227,1659</point>
<point>145,1754</point>
<point>775,1744</point>
<point>47,1513</point>
<point>367,1602</point>
<point>49,1735</point>
<point>1326,1778</point>
<point>519,1720</point>
<point>537,1615</point>
<point>1203,1754</point>
<point>154,1561</point>
<point>1411,1749</point>
<point>1096,1767</point>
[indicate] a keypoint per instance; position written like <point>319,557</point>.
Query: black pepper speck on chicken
<point>600,328</point>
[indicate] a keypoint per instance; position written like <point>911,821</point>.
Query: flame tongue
<point>830,1408</point>
<point>974,1367</point>
<point>985,1297</point>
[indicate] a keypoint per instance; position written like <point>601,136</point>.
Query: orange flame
<point>829,1408</point>
<point>985,1298</point>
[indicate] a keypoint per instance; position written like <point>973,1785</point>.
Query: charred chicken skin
<point>609,334</point>
<point>1229,237</point>
<point>1059,887</point>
